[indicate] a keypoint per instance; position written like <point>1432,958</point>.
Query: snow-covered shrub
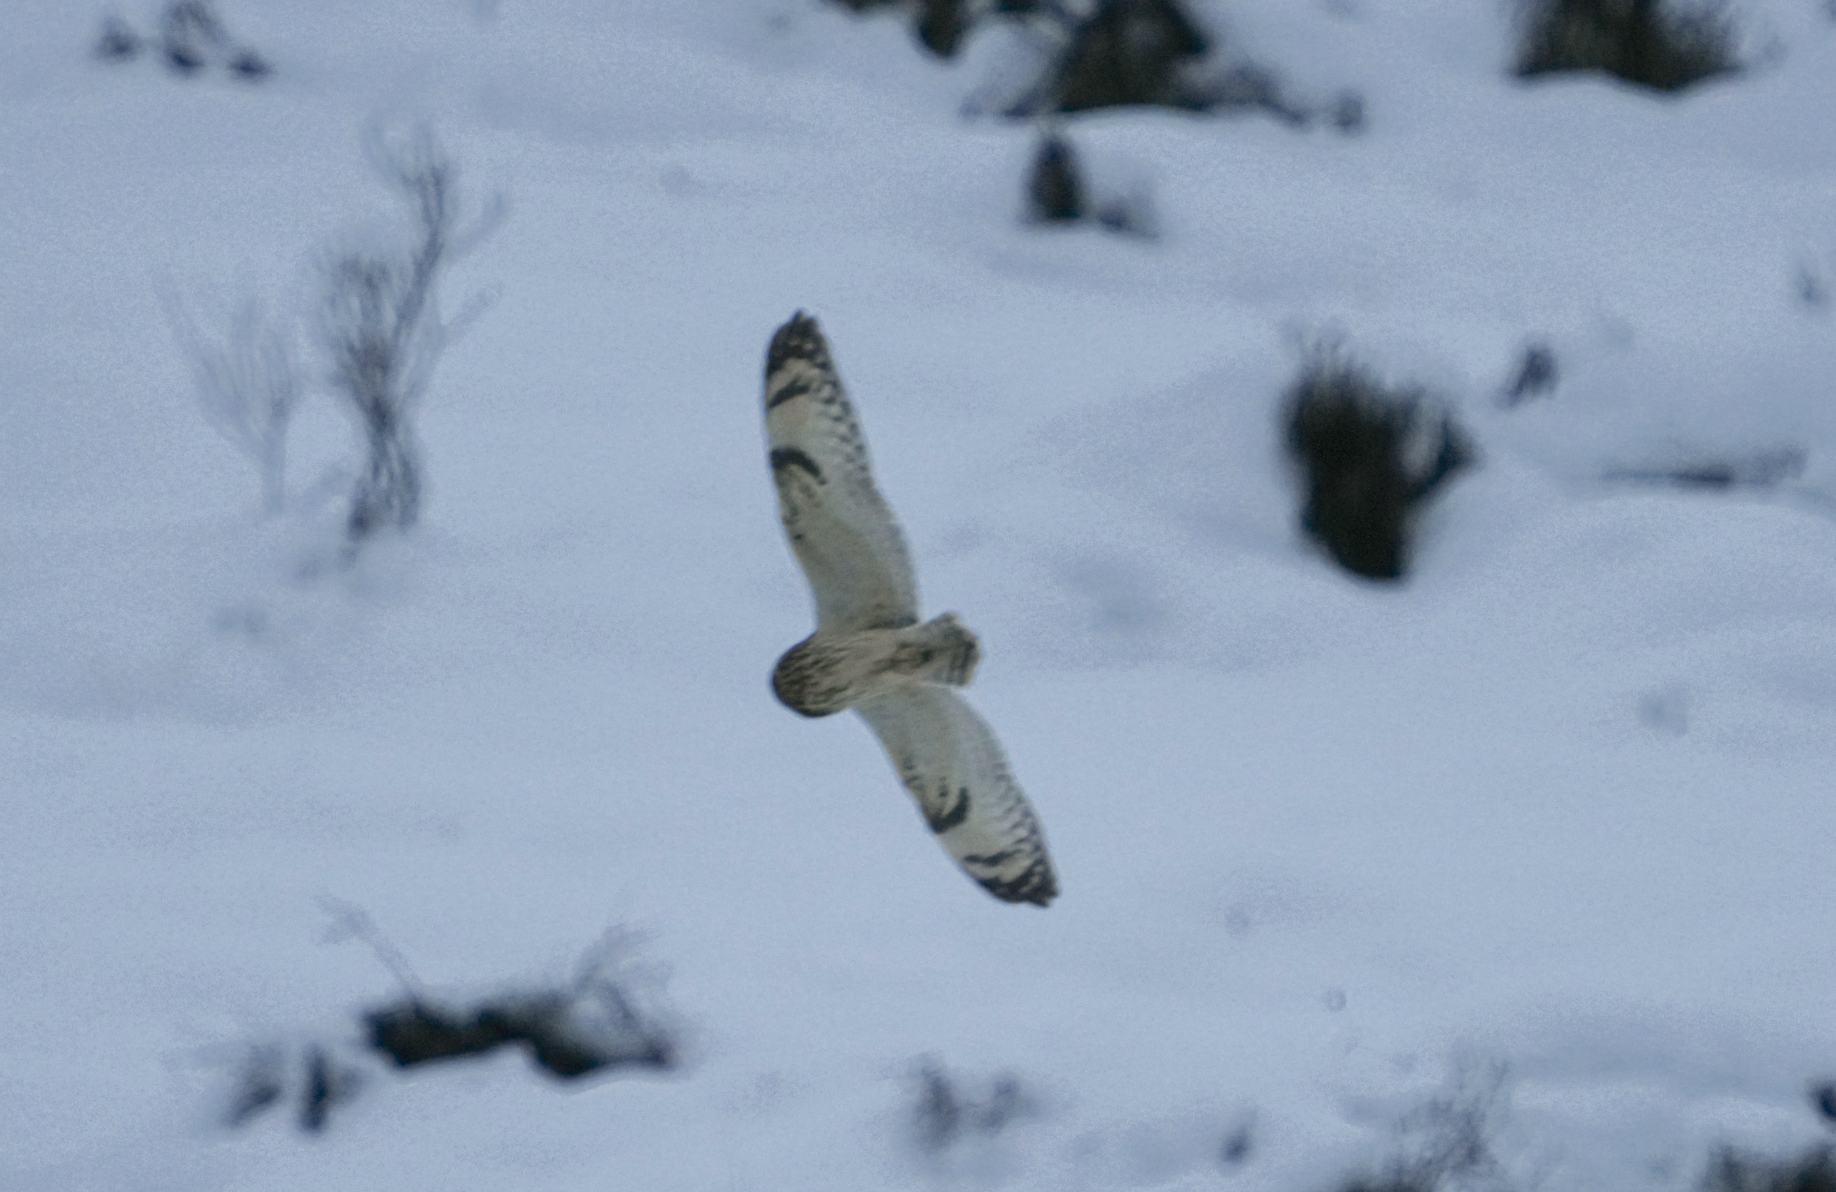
<point>248,384</point>
<point>1653,43</point>
<point>1446,1142</point>
<point>1368,456</point>
<point>381,329</point>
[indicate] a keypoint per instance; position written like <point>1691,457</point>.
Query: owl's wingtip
<point>1038,885</point>
<point>798,339</point>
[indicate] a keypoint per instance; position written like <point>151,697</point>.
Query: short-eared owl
<point>869,651</point>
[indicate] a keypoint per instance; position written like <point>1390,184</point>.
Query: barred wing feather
<point>950,761</point>
<point>843,533</point>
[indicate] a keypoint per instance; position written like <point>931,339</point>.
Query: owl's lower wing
<point>949,760</point>
<point>839,525</point>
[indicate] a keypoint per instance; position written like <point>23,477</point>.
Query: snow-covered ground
<point>1543,835</point>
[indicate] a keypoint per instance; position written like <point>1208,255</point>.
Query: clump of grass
<point>1537,374</point>
<point>945,1113</point>
<point>1055,193</point>
<point>1447,1140</point>
<point>1652,43</point>
<point>600,1021</point>
<point>1369,455</point>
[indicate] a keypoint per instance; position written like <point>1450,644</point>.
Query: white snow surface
<point>1553,818</point>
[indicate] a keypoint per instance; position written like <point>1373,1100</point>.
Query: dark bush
<point>1369,456</point>
<point>1652,43</point>
<point>1731,1170</point>
<point>261,1083</point>
<point>941,26</point>
<point>600,1020</point>
<point>1823,1100</point>
<point>1055,194</point>
<point>247,64</point>
<point>1130,52</point>
<point>568,1034</point>
<point>1536,375</point>
<point>944,1114</point>
<point>117,42</point>
<point>328,1084</point>
<point>190,35</point>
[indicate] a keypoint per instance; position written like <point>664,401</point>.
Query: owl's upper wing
<point>949,760</point>
<point>839,525</point>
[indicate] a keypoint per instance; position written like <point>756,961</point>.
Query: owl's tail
<point>941,650</point>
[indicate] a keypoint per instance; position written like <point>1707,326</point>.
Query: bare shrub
<point>1369,455</point>
<point>380,326</point>
<point>606,1017</point>
<point>191,36</point>
<point>117,42</point>
<point>944,1113</point>
<point>1652,43</point>
<point>1446,1142</point>
<point>260,1083</point>
<point>248,384</point>
<point>329,1083</point>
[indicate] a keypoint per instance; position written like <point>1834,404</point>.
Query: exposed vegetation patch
<point>567,1033</point>
<point>381,330</point>
<point>1653,43</point>
<point>191,37</point>
<point>946,1112</point>
<point>1118,53</point>
<point>1446,1142</point>
<point>1057,193</point>
<point>1536,374</point>
<point>595,1023</point>
<point>1733,1170</point>
<point>1369,455</point>
<point>1764,469</point>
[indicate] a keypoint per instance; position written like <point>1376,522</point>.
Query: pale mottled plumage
<point>869,651</point>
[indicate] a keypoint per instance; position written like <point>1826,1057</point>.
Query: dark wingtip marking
<point>799,339</point>
<point>794,457</point>
<point>1038,885</point>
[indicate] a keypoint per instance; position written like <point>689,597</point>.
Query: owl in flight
<point>869,651</point>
